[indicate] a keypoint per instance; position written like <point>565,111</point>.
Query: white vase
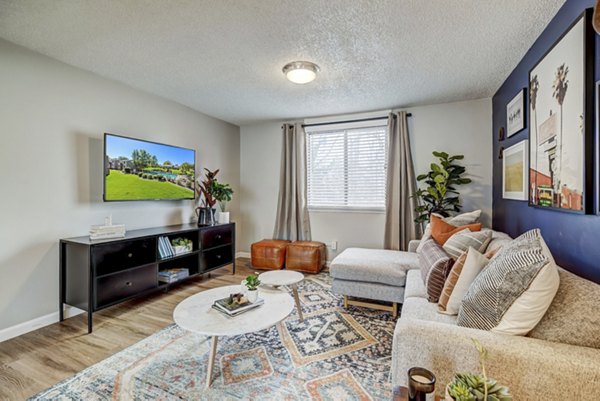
<point>252,295</point>
<point>223,217</point>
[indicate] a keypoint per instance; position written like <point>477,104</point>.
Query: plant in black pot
<point>440,196</point>
<point>205,212</point>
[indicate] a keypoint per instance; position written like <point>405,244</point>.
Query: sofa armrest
<point>412,245</point>
<point>533,369</point>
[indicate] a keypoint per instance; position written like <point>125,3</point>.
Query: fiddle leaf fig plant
<point>440,196</point>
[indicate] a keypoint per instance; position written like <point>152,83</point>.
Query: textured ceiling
<point>224,57</point>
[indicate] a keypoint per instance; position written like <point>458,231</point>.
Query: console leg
<point>61,283</point>
<point>90,322</point>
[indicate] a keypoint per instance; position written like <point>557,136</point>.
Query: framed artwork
<point>515,114</point>
<point>515,166</point>
<point>561,122</point>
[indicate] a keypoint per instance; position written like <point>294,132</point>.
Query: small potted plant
<point>476,387</point>
<point>182,245</point>
<point>252,283</point>
<point>222,193</point>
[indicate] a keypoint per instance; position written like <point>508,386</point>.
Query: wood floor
<point>37,360</point>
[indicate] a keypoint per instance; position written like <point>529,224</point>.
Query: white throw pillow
<point>474,264</point>
<point>527,311</point>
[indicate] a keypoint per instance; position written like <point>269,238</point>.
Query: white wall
<point>52,118</point>
<point>460,127</point>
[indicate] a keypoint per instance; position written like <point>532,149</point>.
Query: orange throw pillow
<point>441,231</point>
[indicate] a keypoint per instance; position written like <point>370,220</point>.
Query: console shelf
<point>97,274</point>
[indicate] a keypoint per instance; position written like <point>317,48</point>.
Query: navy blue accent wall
<point>573,239</point>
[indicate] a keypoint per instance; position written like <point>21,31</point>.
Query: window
<point>347,167</point>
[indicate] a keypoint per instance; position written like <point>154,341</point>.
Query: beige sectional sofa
<point>533,367</point>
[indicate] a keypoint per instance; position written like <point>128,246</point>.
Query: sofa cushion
<point>573,316</point>
<point>435,265</point>
<point>499,239</point>
<point>419,308</point>
<point>442,231</point>
<point>463,240</point>
<point>513,293</point>
<point>373,265</point>
<point>463,273</point>
<point>414,286</point>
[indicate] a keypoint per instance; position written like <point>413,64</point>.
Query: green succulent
<point>459,391</point>
<point>475,385</point>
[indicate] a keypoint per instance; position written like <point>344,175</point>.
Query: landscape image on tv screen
<point>138,170</point>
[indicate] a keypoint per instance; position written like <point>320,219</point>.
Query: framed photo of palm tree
<point>561,110</point>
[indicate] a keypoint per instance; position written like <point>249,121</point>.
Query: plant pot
<point>180,250</point>
<point>206,216</point>
<point>252,295</point>
<point>223,217</point>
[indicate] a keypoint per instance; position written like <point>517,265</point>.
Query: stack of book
<point>107,231</point>
<point>165,249</point>
<point>172,275</point>
<point>229,308</point>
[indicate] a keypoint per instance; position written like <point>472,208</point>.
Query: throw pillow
<point>512,294</point>
<point>441,231</point>
<point>435,266</point>
<point>458,220</point>
<point>463,273</point>
<point>463,240</point>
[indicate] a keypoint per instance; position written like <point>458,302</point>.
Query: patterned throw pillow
<point>459,220</point>
<point>464,271</point>
<point>442,231</point>
<point>435,266</point>
<point>512,294</point>
<point>463,240</point>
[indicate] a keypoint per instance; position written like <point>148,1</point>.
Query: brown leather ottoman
<point>268,254</point>
<point>305,256</point>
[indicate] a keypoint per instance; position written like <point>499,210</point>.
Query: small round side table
<point>288,278</point>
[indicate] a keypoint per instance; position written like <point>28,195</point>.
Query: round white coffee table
<point>278,278</point>
<point>197,315</point>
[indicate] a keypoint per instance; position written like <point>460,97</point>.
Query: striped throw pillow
<point>512,294</point>
<point>435,265</point>
<point>463,240</point>
<point>463,273</point>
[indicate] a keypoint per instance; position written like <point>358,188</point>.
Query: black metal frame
<point>588,111</point>
<point>83,244</point>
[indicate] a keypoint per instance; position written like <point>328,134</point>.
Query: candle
<point>421,379</point>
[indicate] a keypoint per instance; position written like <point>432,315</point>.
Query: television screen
<point>142,170</point>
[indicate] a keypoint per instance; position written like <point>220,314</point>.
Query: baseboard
<point>242,255</point>
<point>37,323</point>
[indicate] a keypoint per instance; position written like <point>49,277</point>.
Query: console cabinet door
<point>216,236</point>
<point>116,256</point>
<point>119,286</point>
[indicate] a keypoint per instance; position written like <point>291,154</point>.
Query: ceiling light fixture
<point>301,72</point>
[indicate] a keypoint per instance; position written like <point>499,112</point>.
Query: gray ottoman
<point>372,274</point>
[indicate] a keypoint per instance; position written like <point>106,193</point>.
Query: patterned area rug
<point>335,354</point>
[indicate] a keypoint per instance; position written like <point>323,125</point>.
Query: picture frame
<point>515,114</point>
<point>561,117</point>
<point>515,171</point>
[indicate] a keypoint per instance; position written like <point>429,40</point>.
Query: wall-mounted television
<point>135,169</point>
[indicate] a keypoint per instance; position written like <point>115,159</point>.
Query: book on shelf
<point>228,308</point>
<point>165,249</point>
<point>172,275</point>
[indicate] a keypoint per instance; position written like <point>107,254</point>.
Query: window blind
<point>347,168</point>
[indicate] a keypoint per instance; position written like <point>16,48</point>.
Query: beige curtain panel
<point>401,183</point>
<point>292,221</point>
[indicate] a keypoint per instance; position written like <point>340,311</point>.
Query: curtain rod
<point>351,121</point>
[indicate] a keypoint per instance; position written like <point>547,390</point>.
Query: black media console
<point>97,274</point>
